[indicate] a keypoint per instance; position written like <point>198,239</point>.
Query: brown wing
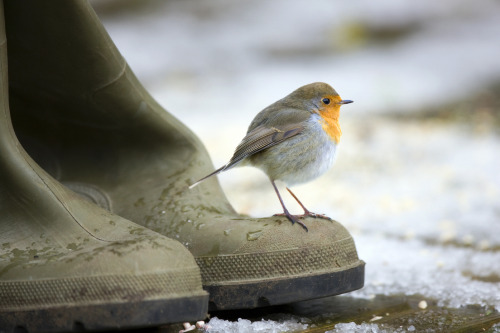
<point>266,131</point>
<point>261,138</point>
<point>257,140</point>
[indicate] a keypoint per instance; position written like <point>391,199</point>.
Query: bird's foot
<point>314,215</point>
<point>307,214</point>
<point>294,219</point>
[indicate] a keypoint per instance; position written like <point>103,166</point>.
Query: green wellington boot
<point>66,264</point>
<point>84,117</point>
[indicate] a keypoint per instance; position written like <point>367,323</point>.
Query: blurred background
<point>417,178</point>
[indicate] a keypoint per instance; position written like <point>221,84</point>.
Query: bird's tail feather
<point>208,176</point>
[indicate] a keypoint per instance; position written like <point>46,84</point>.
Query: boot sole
<point>269,292</point>
<point>95,304</point>
<point>103,316</point>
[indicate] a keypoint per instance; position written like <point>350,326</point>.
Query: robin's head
<point>320,98</point>
<point>316,97</point>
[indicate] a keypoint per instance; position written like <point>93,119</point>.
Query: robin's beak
<point>345,101</point>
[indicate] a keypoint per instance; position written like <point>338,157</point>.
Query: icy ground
<point>420,196</point>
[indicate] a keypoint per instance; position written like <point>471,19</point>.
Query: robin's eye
<point>326,101</point>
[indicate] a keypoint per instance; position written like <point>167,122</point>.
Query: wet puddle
<point>349,314</point>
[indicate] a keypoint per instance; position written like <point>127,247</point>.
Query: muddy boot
<point>66,264</point>
<point>83,116</point>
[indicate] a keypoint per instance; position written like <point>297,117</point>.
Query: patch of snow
<point>217,325</point>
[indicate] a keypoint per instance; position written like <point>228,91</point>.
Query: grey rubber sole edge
<point>105,316</point>
<point>253,294</point>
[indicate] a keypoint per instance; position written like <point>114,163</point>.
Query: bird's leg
<point>306,211</point>
<point>291,217</point>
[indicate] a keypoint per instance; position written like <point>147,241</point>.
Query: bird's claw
<point>294,219</point>
<point>307,214</point>
<point>316,216</point>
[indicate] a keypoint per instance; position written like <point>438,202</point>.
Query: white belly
<point>300,158</point>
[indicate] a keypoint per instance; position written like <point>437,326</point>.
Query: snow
<point>367,328</point>
<point>217,325</point>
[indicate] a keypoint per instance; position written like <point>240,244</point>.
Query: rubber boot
<point>82,114</point>
<point>66,264</point>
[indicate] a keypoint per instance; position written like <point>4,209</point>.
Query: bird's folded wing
<point>261,138</point>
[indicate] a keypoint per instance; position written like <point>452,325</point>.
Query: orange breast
<point>330,123</point>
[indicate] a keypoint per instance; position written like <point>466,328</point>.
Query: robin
<point>293,140</point>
